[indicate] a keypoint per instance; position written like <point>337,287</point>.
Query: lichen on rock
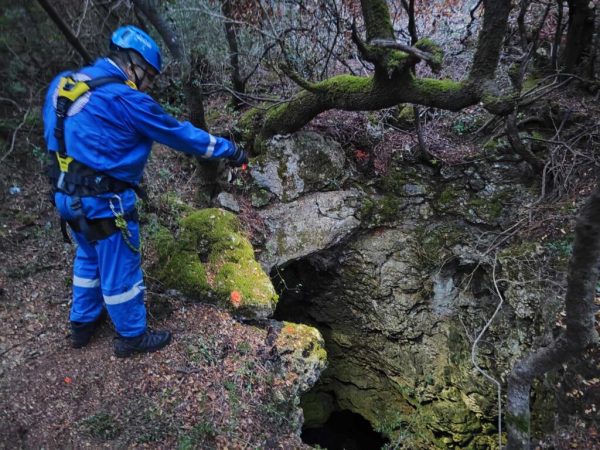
<point>303,348</point>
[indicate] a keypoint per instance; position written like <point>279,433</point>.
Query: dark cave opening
<point>344,430</point>
<point>298,283</point>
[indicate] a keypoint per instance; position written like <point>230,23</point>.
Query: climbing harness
<point>77,179</point>
<point>121,223</point>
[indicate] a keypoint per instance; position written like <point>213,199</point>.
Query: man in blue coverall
<point>99,149</point>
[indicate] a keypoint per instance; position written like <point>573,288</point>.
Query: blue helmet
<point>132,38</point>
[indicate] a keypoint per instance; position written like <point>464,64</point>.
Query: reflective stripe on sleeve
<point>125,296</point>
<point>85,282</point>
<point>211,147</point>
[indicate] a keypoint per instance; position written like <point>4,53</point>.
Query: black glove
<point>239,157</point>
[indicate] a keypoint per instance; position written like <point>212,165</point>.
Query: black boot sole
<point>131,352</point>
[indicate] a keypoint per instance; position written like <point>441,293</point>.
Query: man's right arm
<point>149,119</point>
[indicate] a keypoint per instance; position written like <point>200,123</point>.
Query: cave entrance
<point>298,284</point>
<point>344,430</point>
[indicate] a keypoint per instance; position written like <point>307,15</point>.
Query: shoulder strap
<point>69,91</point>
<point>97,82</point>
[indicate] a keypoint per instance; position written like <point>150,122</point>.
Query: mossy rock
<point>303,349</point>
<point>382,210</point>
<point>477,208</point>
<point>211,260</point>
<point>406,115</point>
<point>434,243</point>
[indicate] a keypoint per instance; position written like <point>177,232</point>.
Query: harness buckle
<point>63,162</point>
<point>70,89</point>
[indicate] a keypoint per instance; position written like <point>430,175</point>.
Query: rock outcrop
<point>397,275</point>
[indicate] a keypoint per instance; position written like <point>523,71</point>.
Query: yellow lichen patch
<point>302,348</point>
<point>304,341</point>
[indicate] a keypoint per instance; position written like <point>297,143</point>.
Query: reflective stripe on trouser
<point>110,272</point>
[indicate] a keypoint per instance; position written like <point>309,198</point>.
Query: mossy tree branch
<point>393,81</point>
<point>377,20</point>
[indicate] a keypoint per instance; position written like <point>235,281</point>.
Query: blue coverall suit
<point>111,129</point>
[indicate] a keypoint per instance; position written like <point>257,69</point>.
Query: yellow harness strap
<point>72,89</point>
<point>69,91</point>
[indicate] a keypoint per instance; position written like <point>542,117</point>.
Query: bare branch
<point>66,31</point>
<point>425,56</point>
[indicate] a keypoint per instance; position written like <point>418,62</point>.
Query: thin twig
<point>14,136</point>
<point>9,100</point>
<point>474,352</point>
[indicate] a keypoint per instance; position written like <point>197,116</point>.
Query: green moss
<point>430,46</point>
<point>182,271</point>
<point>393,60</point>
<point>487,208</point>
<point>305,339</point>
<point>173,205</point>
<point>393,182</point>
<point>274,112</point>
<point>434,244</point>
<point>406,115</point>
<point>102,426</point>
<point>529,83</point>
<point>456,200</point>
<point>383,210</point>
<point>250,122</point>
<point>543,407</point>
<point>516,259</point>
<point>498,104</point>
<point>495,145</point>
<point>212,259</point>
<point>377,19</point>
<point>317,407</point>
<point>535,134</point>
<point>432,87</point>
<point>346,84</point>
<point>448,198</point>
<point>520,422</point>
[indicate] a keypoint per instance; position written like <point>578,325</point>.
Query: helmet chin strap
<point>138,82</point>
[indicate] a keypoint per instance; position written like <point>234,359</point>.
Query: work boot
<point>148,342</point>
<point>82,332</point>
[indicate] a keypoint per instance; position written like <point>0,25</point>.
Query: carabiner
<point>112,206</point>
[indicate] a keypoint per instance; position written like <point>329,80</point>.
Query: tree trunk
<point>579,32</point>
<point>377,20</point>
<point>193,90</point>
<point>193,93</point>
<point>580,331</point>
<point>490,39</point>
<point>352,93</point>
<point>557,34</point>
<point>231,32</point>
<point>66,31</point>
<point>150,10</point>
<point>595,63</point>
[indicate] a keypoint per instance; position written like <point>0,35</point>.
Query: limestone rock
<point>309,224</point>
<point>298,164</point>
<point>227,201</point>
